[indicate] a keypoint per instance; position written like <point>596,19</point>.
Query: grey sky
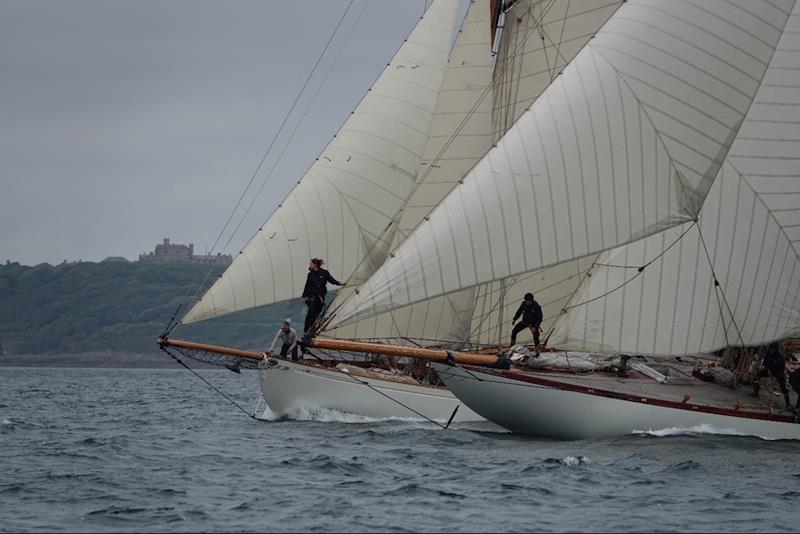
<point>122,123</point>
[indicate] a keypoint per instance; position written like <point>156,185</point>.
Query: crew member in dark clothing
<point>315,291</point>
<point>774,365</point>
<point>794,381</point>
<point>531,314</point>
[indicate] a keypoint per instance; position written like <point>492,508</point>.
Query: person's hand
<point>513,321</point>
<point>302,299</point>
<point>344,284</point>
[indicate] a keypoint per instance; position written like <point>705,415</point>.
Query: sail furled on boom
<point>734,277</point>
<point>624,144</point>
<point>343,207</point>
<point>460,134</point>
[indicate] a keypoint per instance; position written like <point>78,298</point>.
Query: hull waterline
<point>289,386</point>
<point>546,411</point>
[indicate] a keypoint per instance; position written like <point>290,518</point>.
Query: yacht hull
<point>290,386</point>
<point>541,410</point>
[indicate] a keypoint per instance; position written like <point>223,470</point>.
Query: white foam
<point>328,415</point>
<point>572,461</point>
<point>7,422</point>
<point>688,431</point>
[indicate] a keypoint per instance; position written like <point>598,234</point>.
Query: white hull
<point>539,410</point>
<point>288,387</point>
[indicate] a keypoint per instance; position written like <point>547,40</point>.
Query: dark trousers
<point>781,378</point>
<point>285,351</point>
<point>794,381</point>
<point>315,306</point>
<point>519,327</point>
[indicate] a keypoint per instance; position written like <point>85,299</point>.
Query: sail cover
<point>342,208</point>
<point>624,144</point>
<point>747,239</point>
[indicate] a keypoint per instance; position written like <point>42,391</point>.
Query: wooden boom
<point>399,350</point>
<point>349,346</point>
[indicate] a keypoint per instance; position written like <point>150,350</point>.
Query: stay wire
<point>267,152</point>
<point>209,384</point>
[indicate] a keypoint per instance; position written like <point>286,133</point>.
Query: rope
<point>212,386</point>
<point>407,407</point>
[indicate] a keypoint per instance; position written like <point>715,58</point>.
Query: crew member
<point>315,291</point>
<point>531,314</point>
<point>287,337</point>
<point>774,365</point>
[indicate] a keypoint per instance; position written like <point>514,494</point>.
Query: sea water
<point>125,450</point>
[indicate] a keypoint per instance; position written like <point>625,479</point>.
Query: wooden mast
<point>349,346</point>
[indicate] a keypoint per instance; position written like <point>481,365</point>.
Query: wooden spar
<point>349,346</point>
<point>398,350</point>
<point>250,355</point>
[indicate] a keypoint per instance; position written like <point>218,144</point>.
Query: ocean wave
<point>693,430</point>
<point>329,415</point>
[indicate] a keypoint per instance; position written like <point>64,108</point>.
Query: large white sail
<point>460,134</point>
<point>624,144</point>
<point>342,208</point>
<point>747,239</point>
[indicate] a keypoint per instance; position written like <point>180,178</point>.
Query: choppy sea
<point>124,450</point>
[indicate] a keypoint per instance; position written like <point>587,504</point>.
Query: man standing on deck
<point>531,314</point>
<point>774,365</point>
<point>315,290</point>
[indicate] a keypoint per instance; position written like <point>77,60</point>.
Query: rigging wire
<point>264,157</point>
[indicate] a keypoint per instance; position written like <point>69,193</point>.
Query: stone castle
<point>173,252</point>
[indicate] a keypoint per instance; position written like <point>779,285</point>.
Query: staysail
<point>624,144</point>
<point>734,277</point>
<point>460,133</point>
<point>343,206</point>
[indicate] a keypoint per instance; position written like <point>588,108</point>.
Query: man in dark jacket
<point>531,314</point>
<point>315,290</point>
<point>773,365</point>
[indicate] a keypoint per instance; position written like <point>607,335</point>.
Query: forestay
<point>624,144</point>
<point>747,238</point>
<point>342,208</point>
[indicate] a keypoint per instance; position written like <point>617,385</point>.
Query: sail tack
<point>342,208</point>
<point>624,144</point>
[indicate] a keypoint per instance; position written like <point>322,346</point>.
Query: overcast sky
<point>124,122</point>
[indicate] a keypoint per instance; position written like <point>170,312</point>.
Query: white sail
<point>624,144</point>
<point>539,38</point>
<point>460,134</point>
<point>342,208</point>
<point>750,225</point>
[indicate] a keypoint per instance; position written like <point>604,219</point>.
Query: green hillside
<point>86,307</point>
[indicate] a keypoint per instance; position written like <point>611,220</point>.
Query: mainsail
<point>624,144</point>
<point>344,206</point>
<point>734,277</point>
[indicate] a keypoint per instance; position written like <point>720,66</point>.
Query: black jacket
<point>774,363</point>
<point>531,313</point>
<point>317,284</point>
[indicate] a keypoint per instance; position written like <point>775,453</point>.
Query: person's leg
<point>309,314</point>
<point>535,330</point>
<point>314,309</point>
<point>519,327</point>
<point>284,349</point>
<point>757,382</point>
<point>781,378</point>
<point>295,353</point>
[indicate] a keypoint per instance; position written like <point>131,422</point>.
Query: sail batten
<point>681,105</point>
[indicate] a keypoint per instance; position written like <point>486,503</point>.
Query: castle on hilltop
<point>174,252</point>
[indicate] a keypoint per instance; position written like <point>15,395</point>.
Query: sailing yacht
<point>650,197</point>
